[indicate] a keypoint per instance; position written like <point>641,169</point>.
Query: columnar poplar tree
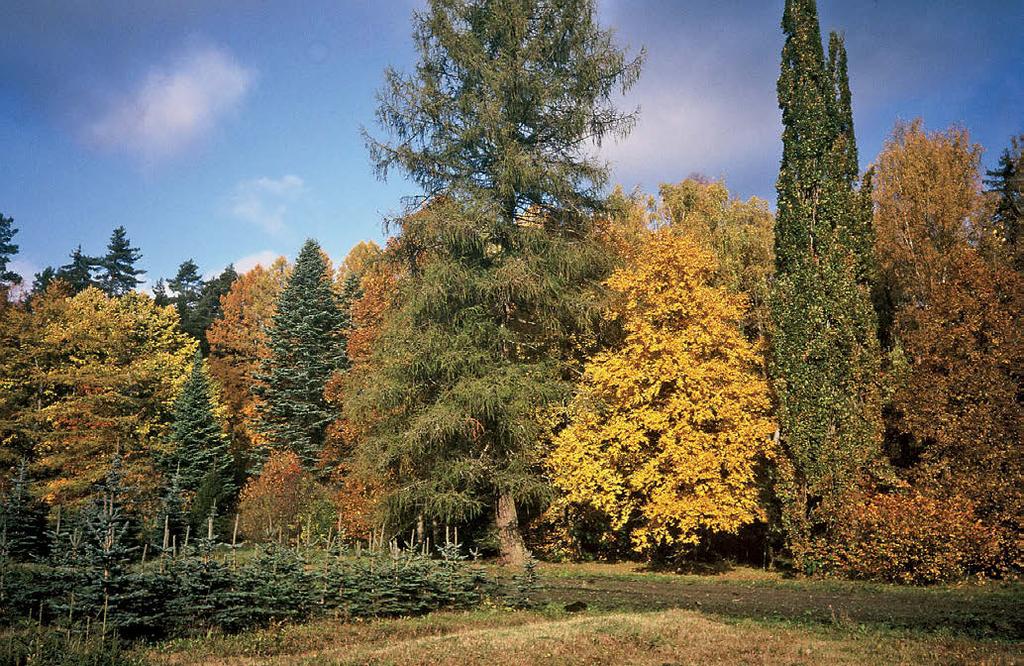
<point>825,361</point>
<point>495,124</point>
<point>118,273</point>
<point>306,341</point>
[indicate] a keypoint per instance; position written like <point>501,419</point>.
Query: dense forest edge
<point>534,370</point>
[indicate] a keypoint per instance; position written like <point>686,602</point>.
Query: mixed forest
<point>533,365</point>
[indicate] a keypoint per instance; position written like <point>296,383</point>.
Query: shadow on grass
<point>992,611</point>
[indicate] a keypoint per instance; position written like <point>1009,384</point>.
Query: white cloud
<point>690,130</point>
<point>27,270</point>
<point>265,201</point>
<point>173,106</point>
<point>264,258</point>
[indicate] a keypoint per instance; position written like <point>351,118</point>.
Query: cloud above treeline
<point>173,106</point>
<point>263,258</point>
<point>265,202</point>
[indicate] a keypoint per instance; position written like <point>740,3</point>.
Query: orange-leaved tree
<point>956,419</point>
<point>238,343</point>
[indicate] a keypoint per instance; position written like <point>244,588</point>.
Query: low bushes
<point>910,539</point>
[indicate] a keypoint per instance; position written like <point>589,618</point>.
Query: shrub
<point>283,501</point>
<point>909,539</point>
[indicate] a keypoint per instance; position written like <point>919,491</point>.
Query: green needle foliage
<point>495,125</point>
<point>307,346</point>
<point>78,273</point>
<point>825,361</point>
<point>23,529</point>
<point>118,273</point>
<point>200,445</point>
<point>7,251</point>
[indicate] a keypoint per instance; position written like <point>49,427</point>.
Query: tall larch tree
<point>826,359</point>
<point>118,274</point>
<point>306,344</point>
<point>495,125</point>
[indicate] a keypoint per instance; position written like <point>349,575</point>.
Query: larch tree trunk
<point>510,540</point>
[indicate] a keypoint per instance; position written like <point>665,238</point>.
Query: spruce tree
<point>494,126</point>
<point>200,445</point>
<point>7,251</point>
<point>23,528</point>
<point>825,350</point>
<point>78,273</point>
<point>118,273</point>
<point>306,348</point>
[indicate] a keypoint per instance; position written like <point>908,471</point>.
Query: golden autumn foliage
<point>739,233</point>
<point>238,343</point>
<point>107,371</point>
<point>668,430</point>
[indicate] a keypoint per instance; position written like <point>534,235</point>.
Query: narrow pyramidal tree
<point>306,343</point>
<point>495,125</point>
<point>825,361</point>
<point>201,454</point>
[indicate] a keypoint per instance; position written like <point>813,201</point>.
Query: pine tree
<point>306,349</point>
<point>42,280</point>
<point>172,519</point>
<point>119,275</point>
<point>78,273</point>
<point>23,520</point>
<point>160,294</point>
<point>200,445</point>
<point>492,125</point>
<point>187,286</point>
<point>1006,182</point>
<point>105,590</point>
<point>825,346</point>
<point>208,307</point>
<point>7,251</point>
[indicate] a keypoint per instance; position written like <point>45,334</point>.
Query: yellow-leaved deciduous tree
<point>741,234</point>
<point>107,371</point>
<point>669,428</point>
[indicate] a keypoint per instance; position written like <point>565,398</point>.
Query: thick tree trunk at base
<point>510,540</point>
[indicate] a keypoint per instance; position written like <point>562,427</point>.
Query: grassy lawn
<point>638,617</point>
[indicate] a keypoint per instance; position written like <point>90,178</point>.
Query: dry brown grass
<point>667,637</point>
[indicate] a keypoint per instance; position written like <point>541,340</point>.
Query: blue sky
<point>228,130</point>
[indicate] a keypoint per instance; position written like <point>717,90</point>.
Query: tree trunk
<point>510,540</point>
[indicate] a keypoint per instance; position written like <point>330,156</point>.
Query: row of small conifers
<point>205,591</point>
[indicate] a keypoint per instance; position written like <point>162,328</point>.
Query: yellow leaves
<point>668,428</point>
<point>106,371</point>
